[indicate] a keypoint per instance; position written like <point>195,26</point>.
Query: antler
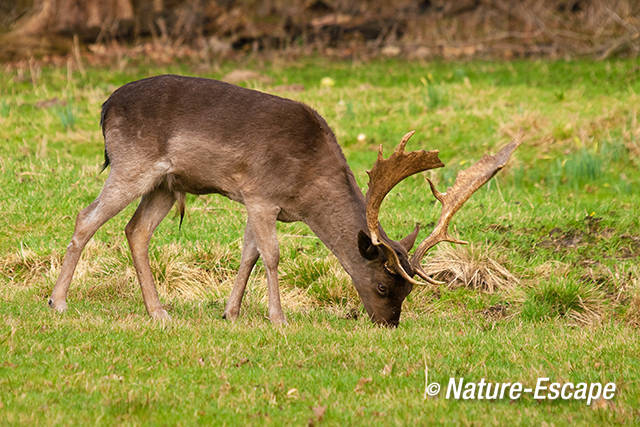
<point>467,182</point>
<point>384,175</point>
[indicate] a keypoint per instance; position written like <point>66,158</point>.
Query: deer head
<point>394,278</point>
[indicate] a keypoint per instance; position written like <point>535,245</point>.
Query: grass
<point>561,218</point>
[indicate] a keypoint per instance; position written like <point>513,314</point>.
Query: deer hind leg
<point>153,207</point>
<point>262,219</point>
<point>116,194</point>
<point>248,260</point>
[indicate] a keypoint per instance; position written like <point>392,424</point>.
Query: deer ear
<point>367,249</point>
<point>408,242</point>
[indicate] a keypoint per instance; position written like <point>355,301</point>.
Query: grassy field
<point>562,218</point>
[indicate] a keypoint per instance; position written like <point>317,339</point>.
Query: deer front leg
<point>153,208</point>
<point>262,219</point>
<point>248,260</point>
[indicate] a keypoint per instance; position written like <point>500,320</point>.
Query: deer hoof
<point>160,314</point>
<point>60,307</point>
<point>230,315</point>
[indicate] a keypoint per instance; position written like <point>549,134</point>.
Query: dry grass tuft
<point>293,299</point>
<point>182,272</point>
<point>629,294</point>
<point>470,266</point>
<point>192,272</point>
<point>25,265</point>
<point>591,307</point>
<point>321,279</point>
<point>633,313</point>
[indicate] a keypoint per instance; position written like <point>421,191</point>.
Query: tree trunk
<point>49,27</point>
<point>86,18</point>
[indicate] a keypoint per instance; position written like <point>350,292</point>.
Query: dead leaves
<point>318,414</point>
<point>362,382</point>
<point>293,394</point>
<point>386,370</point>
<point>241,362</point>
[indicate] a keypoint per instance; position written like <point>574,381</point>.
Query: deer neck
<point>337,221</point>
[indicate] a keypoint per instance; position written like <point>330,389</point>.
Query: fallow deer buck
<point>170,135</point>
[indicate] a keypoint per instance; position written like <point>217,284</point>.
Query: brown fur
<point>170,135</point>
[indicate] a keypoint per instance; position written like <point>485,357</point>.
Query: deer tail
<point>103,115</point>
<point>180,198</point>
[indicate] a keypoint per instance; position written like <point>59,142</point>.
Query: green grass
<point>562,217</point>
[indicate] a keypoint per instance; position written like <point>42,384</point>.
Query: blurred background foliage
<point>420,29</point>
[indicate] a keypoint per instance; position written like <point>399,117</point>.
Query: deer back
<point>214,137</point>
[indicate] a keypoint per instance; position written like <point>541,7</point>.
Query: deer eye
<point>382,290</point>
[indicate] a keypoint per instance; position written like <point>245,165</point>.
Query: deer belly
<point>197,185</point>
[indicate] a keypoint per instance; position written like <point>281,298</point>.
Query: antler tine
<point>467,182</point>
<point>423,275</point>
<point>387,173</point>
<point>403,141</point>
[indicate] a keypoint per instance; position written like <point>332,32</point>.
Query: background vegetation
<point>562,219</point>
<point>361,29</point>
